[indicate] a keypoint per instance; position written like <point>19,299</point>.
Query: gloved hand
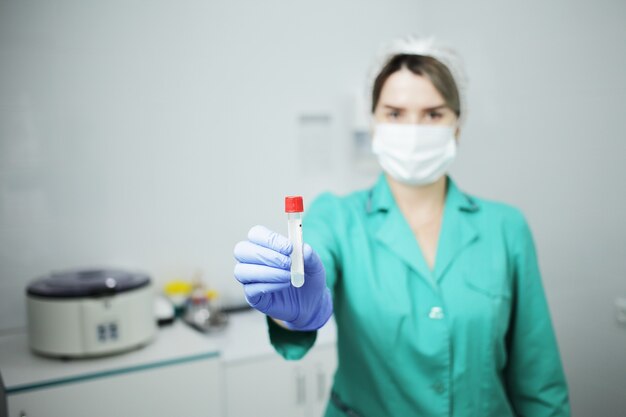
<point>264,270</point>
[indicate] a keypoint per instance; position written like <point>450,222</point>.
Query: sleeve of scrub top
<point>318,224</point>
<point>534,374</point>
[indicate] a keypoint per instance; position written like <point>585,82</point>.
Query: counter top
<point>22,370</point>
<point>245,337</point>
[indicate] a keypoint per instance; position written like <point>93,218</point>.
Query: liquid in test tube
<point>294,208</point>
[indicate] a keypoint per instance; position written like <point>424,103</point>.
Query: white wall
<point>154,134</point>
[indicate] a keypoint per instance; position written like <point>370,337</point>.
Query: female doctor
<point>437,295</point>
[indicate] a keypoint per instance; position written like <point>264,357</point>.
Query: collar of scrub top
<point>381,199</point>
<point>457,229</point>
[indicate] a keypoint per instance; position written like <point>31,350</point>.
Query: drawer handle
<point>321,384</point>
<point>300,388</point>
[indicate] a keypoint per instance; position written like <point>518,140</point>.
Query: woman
<point>437,295</point>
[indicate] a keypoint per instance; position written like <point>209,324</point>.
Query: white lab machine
<point>90,313</point>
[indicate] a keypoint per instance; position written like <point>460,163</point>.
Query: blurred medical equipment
<point>294,208</point>
<point>177,292</point>
<point>201,311</point>
<point>427,46</point>
<point>264,269</point>
<point>164,311</point>
<point>90,312</point>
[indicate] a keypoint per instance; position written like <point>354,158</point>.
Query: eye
<point>393,114</point>
<point>435,115</point>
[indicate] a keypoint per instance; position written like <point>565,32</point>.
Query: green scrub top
<point>472,337</point>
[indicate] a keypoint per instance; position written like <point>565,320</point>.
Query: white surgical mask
<point>414,154</point>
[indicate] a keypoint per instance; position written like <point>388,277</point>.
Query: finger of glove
<point>251,253</point>
<point>252,274</point>
<point>263,236</point>
<point>256,290</point>
<point>312,262</point>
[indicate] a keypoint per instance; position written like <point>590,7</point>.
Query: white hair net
<point>425,46</point>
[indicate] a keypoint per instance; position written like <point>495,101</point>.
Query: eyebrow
<point>438,107</point>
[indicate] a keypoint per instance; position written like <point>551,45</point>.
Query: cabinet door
<point>273,386</point>
<point>188,389</point>
<point>321,363</point>
<point>266,386</point>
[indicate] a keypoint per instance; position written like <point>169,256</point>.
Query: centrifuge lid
<point>86,283</point>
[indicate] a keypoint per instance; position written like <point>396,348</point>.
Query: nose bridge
<point>414,117</point>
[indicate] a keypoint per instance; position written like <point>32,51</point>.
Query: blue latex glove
<point>264,270</point>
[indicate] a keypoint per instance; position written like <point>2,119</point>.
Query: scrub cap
<point>425,46</point>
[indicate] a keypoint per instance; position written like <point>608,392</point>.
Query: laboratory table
<point>182,371</point>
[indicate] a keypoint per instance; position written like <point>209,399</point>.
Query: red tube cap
<point>294,204</point>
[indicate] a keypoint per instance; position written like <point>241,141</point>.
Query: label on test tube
<point>294,208</point>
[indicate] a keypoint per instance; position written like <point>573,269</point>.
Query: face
<point>412,99</point>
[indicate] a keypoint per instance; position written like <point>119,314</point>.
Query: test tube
<point>294,208</point>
